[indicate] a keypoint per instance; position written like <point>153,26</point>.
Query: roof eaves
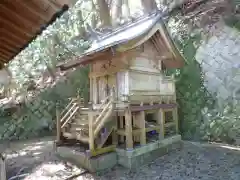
<point>52,20</point>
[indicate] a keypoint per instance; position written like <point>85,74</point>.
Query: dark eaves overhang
<point>55,16</point>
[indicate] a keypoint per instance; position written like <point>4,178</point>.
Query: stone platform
<point>128,158</point>
<point>93,164</point>
<point>145,154</point>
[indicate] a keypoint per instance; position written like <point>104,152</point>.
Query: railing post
<point>114,134</point>
<point>91,130</point>
<point>2,168</point>
<point>58,123</point>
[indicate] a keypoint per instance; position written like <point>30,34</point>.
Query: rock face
<point>220,60</point>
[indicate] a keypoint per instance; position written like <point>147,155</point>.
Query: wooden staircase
<point>87,125</point>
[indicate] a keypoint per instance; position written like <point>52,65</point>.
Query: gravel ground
<point>35,160</point>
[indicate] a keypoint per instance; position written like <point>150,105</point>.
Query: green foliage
<point>192,96</point>
<point>233,21</point>
<point>224,126</point>
<point>37,117</point>
<point>60,41</point>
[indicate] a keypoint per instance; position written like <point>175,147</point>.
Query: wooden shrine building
<point>132,102</point>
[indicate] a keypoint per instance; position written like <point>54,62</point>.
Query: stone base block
<point>93,164</point>
<point>145,154</point>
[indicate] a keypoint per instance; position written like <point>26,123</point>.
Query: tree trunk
<point>125,9</point>
<point>104,13</point>
<point>81,32</point>
<point>116,11</point>
<point>93,16</point>
<point>149,6</point>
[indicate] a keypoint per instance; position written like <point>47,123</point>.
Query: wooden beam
<point>23,20</point>
<point>6,53</point>
<point>2,60</point>
<point>99,151</point>
<point>121,127</point>
<point>14,26</point>
<point>161,122</point>
<point>128,127</point>
<point>91,81</point>
<point>175,119</point>
<point>7,49</point>
<point>5,57</point>
<point>6,46</point>
<point>114,114</point>
<point>53,4</point>
<point>9,42</point>
<point>143,139</point>
<point>35,11</point>
<point>10,35</point>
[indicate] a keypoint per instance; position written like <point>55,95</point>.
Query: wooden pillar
<point>94,90</point>
<point>175,119</point>
<point>121,127</point>
<point>135,124</point>
<point>58,123</point>
<point>114,133</point>
<point>174,88</point>
<point>91,85</point>
<point>128,129</point>
<point>161,122</point>
<point>143,128</point>
<point>91,130</point>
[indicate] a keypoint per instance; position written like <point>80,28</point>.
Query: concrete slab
<point>145,154</point>
<point>93,164</point>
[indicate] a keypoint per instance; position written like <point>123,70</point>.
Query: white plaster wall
<point>220,60</point>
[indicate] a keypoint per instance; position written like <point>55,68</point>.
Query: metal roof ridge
<point>129,25</point>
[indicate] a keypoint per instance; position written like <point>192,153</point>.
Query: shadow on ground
<point>36,160</point>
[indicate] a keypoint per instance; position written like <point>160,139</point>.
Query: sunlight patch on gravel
<point>52,171</point>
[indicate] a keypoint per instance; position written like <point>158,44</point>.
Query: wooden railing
<point>107,108</point>
<point>66,115</point>
<point>96,119</point>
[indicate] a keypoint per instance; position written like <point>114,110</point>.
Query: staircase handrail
<point>68,106</point>
<point>69,118</point>
<point>103,119</point>
<point>68,112</point>
<point>102,113</point>
<point>104,102</point>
